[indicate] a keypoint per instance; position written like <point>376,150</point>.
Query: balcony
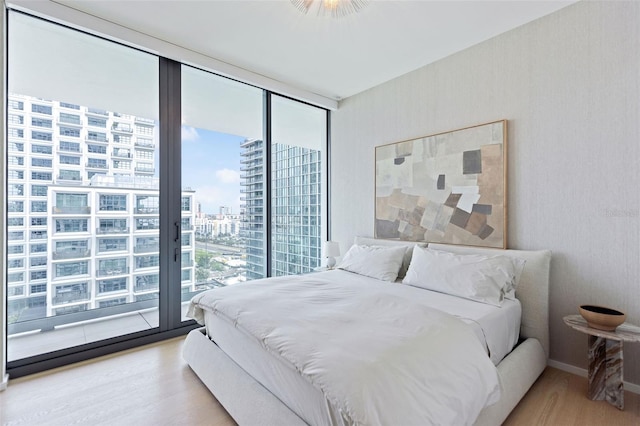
<point>97,140</point>
<point>124,155</point>
<point>70,254</point>
<point>109,272</point>
<point>144,120</point>
<point>72,210</point>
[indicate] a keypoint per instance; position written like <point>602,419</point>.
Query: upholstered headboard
<point>532,291</point>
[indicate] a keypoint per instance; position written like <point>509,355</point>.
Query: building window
<point>41,162</point>
<point>38,248</point>
<point>113,202</point>
<point>70,132</point>
<point>69,146</point>
<point>15,235</point>
<point>38,221</point>
<point>112,244</point>
<point>15,119</point>
<point>147,224</point>
<point>70,106</point>
<point>70,175</point>
<point>69,118</point>
<point>15,133</point>
<point>112,226</point>
<point>71,225</point>
<point>17,249</point>
<point>68,159</point>
<point>17,105</point>
<point>15,277</point>
<point>97,122</point>
<point>112,267</point>
<point>41,176</point>
<point>96,149</point>
<point>41,149</point>
<point>39,190</point>
<point>97,136</point>
<point>16,174</point>
<point>38,207</point>
<point>70,293</point>
<point>38,275</point>
<point>16,147</point>
<point>186,275</point>
<point>15,263</point>
<point>15,221</point>
<point>186,204</point>
<point>38,288</point>
<point>41,109</point>
<point>122,165</point>
<point>112,302</point>
<point>15,291</point>
<point>122,139</point>
<point>15,206</point>
<point>38,261</point>
<point>41,122</point>
<point>111,285</point>
<point>144,130</point>
<point>41,136</point>
<point>71,268</point>
<point>147,204</point>
<point>15,161</point>
<point>15,189</point>
<point>97,163</point>
<point>149,261</point>
<point>144,155</point>
<point>71,200</point>
<point>38,235</point>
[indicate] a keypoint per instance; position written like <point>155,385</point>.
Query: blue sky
<point>211,166</point>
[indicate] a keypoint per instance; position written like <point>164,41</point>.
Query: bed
<point>255,387</point>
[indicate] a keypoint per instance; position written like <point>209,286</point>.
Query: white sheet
<point>368,352</point>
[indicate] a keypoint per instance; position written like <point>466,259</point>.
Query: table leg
<point>605,371</point>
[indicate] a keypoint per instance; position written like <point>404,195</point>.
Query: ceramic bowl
<point>602,318</point>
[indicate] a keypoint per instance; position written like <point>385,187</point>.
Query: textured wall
<point>569,86</point>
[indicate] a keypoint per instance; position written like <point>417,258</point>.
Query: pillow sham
<point>485,279</point>
<point>367,241</point>
<point>378,262</point>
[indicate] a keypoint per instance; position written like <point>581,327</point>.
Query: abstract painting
<point>445,188</point>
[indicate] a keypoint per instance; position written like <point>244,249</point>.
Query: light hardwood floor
<point>152,385</point>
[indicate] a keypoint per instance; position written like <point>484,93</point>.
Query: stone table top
<point>625,332</point>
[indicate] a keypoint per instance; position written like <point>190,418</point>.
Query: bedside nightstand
<point>605,358</point>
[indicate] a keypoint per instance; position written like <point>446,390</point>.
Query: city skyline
<point>214,168</point>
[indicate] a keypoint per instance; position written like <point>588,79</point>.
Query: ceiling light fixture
<point>333,8</point>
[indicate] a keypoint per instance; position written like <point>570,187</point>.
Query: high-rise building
<point>252,207</point>
<point>296,208</point>
<point>83,210</point>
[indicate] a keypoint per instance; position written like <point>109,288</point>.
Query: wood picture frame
<point>446,188</point>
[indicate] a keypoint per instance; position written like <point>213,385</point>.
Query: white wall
<point>569,86</point>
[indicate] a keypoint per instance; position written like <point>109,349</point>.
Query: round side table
<point>605,358</point>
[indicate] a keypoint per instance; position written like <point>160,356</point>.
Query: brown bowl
<point>602,318</point>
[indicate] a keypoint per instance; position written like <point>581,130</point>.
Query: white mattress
<point>496,327</point>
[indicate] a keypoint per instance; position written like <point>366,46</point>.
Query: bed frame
<point>249,403</point>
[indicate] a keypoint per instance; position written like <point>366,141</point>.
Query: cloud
<point>228,176</point>
<point>189,133</point>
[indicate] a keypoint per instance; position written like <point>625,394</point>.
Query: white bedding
<point>367,351</point>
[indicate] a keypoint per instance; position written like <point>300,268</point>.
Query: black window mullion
<point>170,193</point>
<point>267,183</point>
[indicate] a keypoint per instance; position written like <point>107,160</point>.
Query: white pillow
<point>378,262</point>
<point>486,279</point>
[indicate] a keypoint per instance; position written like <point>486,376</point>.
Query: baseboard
<point>4,383</point>
<point>631,387</point>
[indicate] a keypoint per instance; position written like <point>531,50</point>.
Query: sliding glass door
<point>135,182</point>
<point>83,204</point>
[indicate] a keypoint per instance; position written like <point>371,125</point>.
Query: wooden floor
<point>152,385</point>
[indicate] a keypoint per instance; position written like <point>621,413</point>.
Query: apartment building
<point>83,210</point>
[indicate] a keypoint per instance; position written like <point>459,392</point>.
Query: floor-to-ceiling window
<point>107,236</point>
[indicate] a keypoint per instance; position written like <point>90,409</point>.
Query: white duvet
<point>377,354</point>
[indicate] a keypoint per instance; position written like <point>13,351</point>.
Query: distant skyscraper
<point>296,208</point>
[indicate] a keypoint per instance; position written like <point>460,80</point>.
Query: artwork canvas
<point>446,188</point>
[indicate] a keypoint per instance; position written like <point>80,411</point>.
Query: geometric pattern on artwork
<point>446,188</point>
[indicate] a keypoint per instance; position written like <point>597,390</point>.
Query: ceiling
<point>332,57</point>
